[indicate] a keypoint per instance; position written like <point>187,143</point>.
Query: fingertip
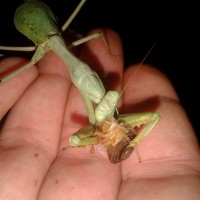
<point>107,43</point>
<point>105,58</point>
<point>112,40</point>
<point>147,81</point>
<point>9,65</point>
<point>12,89</point>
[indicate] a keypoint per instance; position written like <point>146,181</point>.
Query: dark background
<point>173,25</point>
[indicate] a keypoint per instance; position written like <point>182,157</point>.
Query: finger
<point>30,136</point>
<point>11,90</point>
<point>76,170</point>
<point>171,144</point>
<point>105,59</point>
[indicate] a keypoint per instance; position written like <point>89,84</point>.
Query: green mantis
<point>46,36</point>
<point>117,135</point>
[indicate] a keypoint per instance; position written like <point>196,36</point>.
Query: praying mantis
<point>116,134</point>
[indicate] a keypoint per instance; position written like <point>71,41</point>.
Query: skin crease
<point>36,161</point>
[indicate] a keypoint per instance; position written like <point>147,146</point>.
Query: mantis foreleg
<point>119,136</point>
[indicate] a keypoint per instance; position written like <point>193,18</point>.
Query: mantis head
<point>36,21</point>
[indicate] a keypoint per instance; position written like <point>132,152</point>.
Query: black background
<point>173,25</point>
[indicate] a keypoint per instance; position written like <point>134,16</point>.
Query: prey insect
<point>118,134</point>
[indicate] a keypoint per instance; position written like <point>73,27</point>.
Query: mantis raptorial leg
<point>117,135</point>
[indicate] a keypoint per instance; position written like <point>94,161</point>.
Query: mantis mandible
<point>117,135</point>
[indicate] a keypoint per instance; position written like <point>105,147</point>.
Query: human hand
<point>36,161</point>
